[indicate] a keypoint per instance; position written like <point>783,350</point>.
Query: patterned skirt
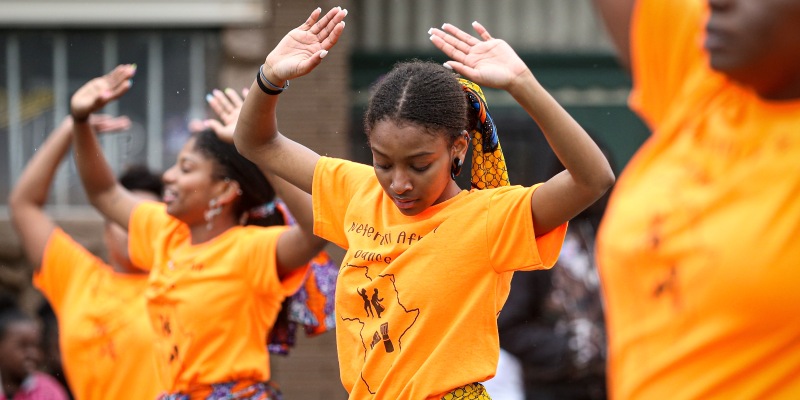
<point>473,391</point>
<point>229,391</point>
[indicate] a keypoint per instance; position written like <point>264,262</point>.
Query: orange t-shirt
<point>211,304</point>
<point>417,297</point>
<point>104,331</point>
<point>691,313</point>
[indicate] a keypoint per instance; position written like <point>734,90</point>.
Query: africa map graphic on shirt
<point>380,321</point>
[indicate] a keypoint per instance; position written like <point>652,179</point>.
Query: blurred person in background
<point>20,357</point>
<point>220,266</point>
<point>698,252</point>
<point>105,337</point>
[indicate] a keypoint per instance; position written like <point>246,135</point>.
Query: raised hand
<point>226,104</point>
<point>303,47</point>
<point>486,61</point>
<point>98,92</point>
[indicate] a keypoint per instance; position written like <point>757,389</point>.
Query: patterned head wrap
<point>488,163</point>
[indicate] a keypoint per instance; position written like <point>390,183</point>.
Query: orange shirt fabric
<point>104,331</point>
<point>211,304</point>
<point>417,297</point>
<point>698,252</point>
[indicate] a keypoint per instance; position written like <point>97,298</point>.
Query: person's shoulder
<point>340,163</point>
<point>500,191</point>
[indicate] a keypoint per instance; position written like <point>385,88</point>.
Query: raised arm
<point>27,199</point>
<point>492,62</point>
<point>101,186</point>
<point>256,136</point>
<point>299,244</point>
<point>616,15</point>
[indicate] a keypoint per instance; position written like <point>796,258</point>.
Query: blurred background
<point>186,48</point>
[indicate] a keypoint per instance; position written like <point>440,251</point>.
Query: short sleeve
<point>513,244</point>
<point>64,264</point>
<point>334,184</point>
<point>666,44</point>
<point>258,252</point>
<point>148,221</point>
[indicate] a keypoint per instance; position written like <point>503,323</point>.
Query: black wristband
<point>267,86</point>
<point>79,120</point>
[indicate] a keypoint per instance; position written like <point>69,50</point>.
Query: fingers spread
<point>482,32</point>
<point>234,97</point>
<point>221,100</point>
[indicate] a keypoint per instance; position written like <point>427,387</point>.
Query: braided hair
<point>419,92</point>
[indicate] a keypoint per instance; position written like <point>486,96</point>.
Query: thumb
<point>215,125</point>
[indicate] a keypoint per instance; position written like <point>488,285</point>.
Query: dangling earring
<point>455,169</point>
<point>214,209</point>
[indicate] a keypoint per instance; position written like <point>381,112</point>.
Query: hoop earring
<point>455,169</point>
<point>214,209</point>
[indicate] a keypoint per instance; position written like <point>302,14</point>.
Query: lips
<point>715,38</point>
<point>169,195</point>
<point>404,204</point>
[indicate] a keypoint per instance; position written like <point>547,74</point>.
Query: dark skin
<point>753,42</point>
<point>19,354</point>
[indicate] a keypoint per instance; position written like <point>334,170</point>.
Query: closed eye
<point>420,169</point>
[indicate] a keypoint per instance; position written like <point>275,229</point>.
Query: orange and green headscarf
<point>488,163</point>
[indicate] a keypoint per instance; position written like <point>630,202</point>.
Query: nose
<point>400,183</point>
<point>169,175</point>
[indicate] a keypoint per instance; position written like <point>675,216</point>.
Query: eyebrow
<point>415,155</point>
<point>185,158</point>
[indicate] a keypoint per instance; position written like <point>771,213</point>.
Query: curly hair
<point>256,190</point>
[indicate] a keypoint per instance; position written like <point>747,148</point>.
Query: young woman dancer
<point>217,279</point>
<point>100,306</point>
<point>428,264</point>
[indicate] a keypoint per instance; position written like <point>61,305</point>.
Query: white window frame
<point>132,13</point>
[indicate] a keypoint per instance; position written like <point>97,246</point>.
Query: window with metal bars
<point>40,69</point>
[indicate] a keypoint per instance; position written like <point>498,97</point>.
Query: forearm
<point>34,183</point>
<point>28,197</point>
<point>296,247</point>
<point>96,175</point>
<point>101,186</point>
<point>574,147</point>
<point>257,138</point>
<point>257,125</point>
<point>298,201</point>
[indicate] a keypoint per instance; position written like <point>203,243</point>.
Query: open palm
<point>486,61</point>
<point>98,92</point>
<point>303,48</point>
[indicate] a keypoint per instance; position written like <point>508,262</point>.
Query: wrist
<point>270,86</point>
<point>76,119</point>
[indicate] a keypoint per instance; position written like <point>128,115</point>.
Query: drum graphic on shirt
<point>374,313</point>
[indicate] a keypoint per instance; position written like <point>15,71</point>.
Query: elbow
<point>17,204</point>
<point>241,144</point>
<point>601,184</point>
<point>606,180</point>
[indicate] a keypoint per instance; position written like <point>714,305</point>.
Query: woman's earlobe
<point>455,169</point>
